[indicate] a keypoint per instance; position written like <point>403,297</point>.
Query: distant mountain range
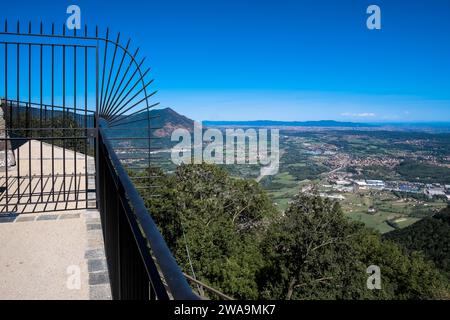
<point>269,123</point>
<point>165,121</point>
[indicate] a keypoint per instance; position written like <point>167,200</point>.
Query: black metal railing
<point>140,264</point>
<point>59,113</point>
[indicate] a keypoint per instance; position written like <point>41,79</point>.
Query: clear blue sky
<point>282,60</point>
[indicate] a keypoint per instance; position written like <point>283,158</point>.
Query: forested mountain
<point>167,120</point>
<point>431,236</point>
<point>162,123</point>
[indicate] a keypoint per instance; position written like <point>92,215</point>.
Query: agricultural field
<point>408,165</point>
<point>323,158</point>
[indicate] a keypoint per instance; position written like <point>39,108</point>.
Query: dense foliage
<point>426,173</point>
<point>430,236</point>
<point>61,127</point>
<point>213,221</point>
<point>314,252</point>
<point>228,233</point>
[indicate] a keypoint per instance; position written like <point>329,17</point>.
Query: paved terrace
<point>52,250</point>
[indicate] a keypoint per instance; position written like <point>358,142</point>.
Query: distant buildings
<point>361,184</point>
<point>332,196</point>
<point>344,183</point>
<point>347,189</point>
<point>435,191</point>
<point>376,184</point>
<point>408,187</point>
<point>370,184</point>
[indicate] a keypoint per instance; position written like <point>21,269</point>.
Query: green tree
<point>216,221</point>
<point>64,128</point>
<point>404,275</point>
<point>309,252</point>
<point>228,233</point>
<point>431,236</point>
<point>314,252</point>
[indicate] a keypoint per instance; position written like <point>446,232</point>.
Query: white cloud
<point>359,115</point>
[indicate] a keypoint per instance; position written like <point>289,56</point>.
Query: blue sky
<point>282,60</point>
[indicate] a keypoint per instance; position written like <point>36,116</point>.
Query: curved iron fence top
<point>108,111</point>
<point>68,36</point>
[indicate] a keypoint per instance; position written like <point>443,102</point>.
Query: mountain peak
<point>167,120</point>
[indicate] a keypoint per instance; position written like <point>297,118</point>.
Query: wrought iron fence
<point>48,121</point>
<point>141,265</point>
<point>55,91</point>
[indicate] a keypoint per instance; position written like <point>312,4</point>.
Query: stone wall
<point>5,147</point>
